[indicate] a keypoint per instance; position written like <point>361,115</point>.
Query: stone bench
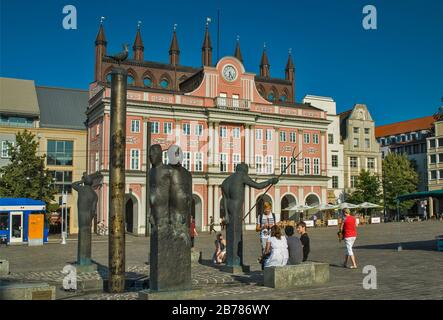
<point>27,291</point>
<point>292,276</point>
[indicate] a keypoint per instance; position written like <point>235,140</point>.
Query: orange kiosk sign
<point>35,229</point>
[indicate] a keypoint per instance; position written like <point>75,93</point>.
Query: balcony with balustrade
<point>232,103</point>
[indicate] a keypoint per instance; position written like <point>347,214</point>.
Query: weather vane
<point>139,23</point>
<point>238,38</point>
<point>264,45</point>
<point>290,50</point>
<point>208,20</point>
<point>175,26</point>
<point>102,19</point>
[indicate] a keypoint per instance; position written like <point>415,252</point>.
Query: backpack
<point>260,217</point>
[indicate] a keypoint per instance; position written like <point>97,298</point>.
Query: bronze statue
<point>87,210</point>
<point>233,190</point>
<point>170,201</point>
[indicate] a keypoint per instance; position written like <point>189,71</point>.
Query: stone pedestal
<point>292,276</point>
<point>86,268</point>
<point>4,267</point>
<point>171,295</point>
<point>27,291</point>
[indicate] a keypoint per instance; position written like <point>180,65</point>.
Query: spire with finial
<point>290,74</point>
<point>174,51</point>
<point>138,44</point>
<point>207,46</point>
<point>264,64</point>
<point>237,52</point>
<point>100,51</point>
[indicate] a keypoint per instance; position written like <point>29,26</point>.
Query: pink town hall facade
<point>220,115</point>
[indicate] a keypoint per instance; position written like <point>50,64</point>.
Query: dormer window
<point>283,98</point>
<point>131,80</point>
<point>271,96</point>
<point>147,82</point>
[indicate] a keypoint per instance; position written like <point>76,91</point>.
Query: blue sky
<point>397,70</point>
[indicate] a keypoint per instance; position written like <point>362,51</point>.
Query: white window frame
<point>199,130</point>
<point>282,136</point>
<point>224,162</point>
<point>306,138</point>
<point>236,132</point>
<point>268,134</point>
<point>293,167</point>
<point>356,162</point>
<point>258,134</point>
<point>135,126</point>
<point>269,164</point>
<point>198,162</point>
<point>134,155</point>
<point>307,166</point>
<point>236,159</point>
<point>315,138</point>
<point>165,159</point>
<point>316,166</point>
<point>292,137</point>
<point>186,129</point>
<point>155,127</point>
<point>258,163</point>
<point>373,163</point>
<point>335,178</point>
<point>283,164</point>
<point>223,132</point>
<point>187,160</point>
<point>5,150</point>
<point>167,128</point>
<point>97,162</point>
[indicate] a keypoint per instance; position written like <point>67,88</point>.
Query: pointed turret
<point>290,74</point>
<point>100,51</point>
<point>237,52</point>
<point>207,47</point>
<point>174,51</point>
<point>138,45</point>
<point>265,67</point>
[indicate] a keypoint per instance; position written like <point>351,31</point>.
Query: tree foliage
<point>25,176</point>
<point>367,189</point>
<point>400,178</point>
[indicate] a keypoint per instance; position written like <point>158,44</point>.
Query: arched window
<point>147,82</point>
<point>271,96</point>
<point>108,78</point>
<point>131,80</point>
<point>164,83</point>
<point>283,98</point>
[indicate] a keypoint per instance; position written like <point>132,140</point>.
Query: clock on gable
<point>229,73</point>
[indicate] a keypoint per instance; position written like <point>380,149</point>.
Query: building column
<point>277,168</point>
<point>300,143</point>
<point>210,145</point>
<point>142,212</point>
<point>216,156</point>
<point>210,203</point>
<point>252,148</point>
<point>277,204</point>
<point>145,144</point>
<point>216,205</point>
<point>431,206</point>
<point>177,132</point>
<point>247,143</point>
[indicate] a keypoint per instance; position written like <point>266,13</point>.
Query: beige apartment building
<point>361,151</point>
<point>435,164</point>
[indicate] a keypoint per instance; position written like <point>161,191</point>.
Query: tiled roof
<point>393,129</point>
<point>18,97</point>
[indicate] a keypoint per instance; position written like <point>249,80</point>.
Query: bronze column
<point>117,181</point>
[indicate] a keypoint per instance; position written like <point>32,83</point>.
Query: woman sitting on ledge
<point>276,248</point>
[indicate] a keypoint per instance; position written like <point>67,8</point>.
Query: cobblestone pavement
<point>413,273</point>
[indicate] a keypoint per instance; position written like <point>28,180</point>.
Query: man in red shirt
<point>349,231</point>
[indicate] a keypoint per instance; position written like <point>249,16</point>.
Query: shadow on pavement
<point>427,245</point>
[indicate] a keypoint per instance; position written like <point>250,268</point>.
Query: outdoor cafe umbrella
<point>299,208</point>
<point>368,205</point>
<point>346,205</point>
<point>325,207</point>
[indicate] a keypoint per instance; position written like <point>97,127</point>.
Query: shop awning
<point>421,195</point>
<point>9,204</point>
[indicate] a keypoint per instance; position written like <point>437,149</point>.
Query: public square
<point>413,273</point>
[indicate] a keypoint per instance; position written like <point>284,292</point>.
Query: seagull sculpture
<point>122,56</point>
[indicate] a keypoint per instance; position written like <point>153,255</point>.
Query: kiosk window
<point>3,221</point>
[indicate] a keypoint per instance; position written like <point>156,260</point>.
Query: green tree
<point>25,176</point>
<point>400,178</point>
<point>367,189</point>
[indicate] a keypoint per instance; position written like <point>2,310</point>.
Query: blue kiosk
<point>16,216</point>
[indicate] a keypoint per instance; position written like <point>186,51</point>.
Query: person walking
<point>192,231</point>
<point>212,225</point>
<point>220,250</point>
<point>276,248</point>
<point>349,231</point>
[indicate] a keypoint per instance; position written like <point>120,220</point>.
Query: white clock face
<point>229,73</point>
